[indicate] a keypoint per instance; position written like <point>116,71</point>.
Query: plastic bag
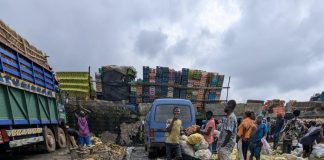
<point>297,152</point>
<point>239,155</point>
<point>290,157</point>
<point>217,133</point>
<point>187,148</point>
<point>266,147</point>
<point>195,138</point>
<point>184,138</point>
<point>321,145</point>
<point>203,145</point>
<point>203,154</point>
<point>129,151</point>
<point>318,152</point>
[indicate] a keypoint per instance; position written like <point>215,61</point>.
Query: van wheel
<point>49,140</point>
<point>61,139</point>
<point>152,153</point>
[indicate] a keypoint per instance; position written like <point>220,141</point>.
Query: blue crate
<point>18,65</point>
<point>176,93</point>
<point>183,93</point>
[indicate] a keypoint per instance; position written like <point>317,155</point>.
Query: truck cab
<point>155,121</point>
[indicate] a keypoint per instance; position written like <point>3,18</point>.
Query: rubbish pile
<point>128,131</point>
<point>195,146</point>
<point>108,137</point>
<point>104,151</point>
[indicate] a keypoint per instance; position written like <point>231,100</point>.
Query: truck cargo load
<point>15,42</point>
<point>31,104</point>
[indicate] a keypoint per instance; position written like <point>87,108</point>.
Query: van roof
<point>172,101</point>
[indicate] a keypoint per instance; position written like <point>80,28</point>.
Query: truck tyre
<point>61,138</point>
<point>152,153</point>
<point>49,139</point>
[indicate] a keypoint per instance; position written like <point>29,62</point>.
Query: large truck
<point>31,105</point>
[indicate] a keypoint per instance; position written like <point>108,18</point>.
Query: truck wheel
<point>49,140</point>
<point>152,153</point>
<point>61,139</point>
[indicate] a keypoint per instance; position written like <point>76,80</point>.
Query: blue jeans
<point>84,141</point>
<point>255,149</point>
<point>170,148</point>
<point>210,147</point>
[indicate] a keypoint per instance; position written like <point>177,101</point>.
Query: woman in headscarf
<point>84,132</point>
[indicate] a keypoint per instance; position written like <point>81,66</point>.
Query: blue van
<point>155,121</point>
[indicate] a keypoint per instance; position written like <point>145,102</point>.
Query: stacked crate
<point>76,84</point>
<point>220,81</point>
<point>98,83</point>
<point>139,91</point>
<point>176,91</point>
<point>212,81</point>
<point>163,82</point>
<point>132,98</point>
<point>172,76</point>
<point>149,76</point>
<point>162,77</point>
<point>200,95</point>
<point>184,82</point>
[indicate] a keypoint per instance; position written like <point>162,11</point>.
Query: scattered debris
<point>102,151</point>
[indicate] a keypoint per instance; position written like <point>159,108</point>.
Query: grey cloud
<point>150,42</point>
<point>274,48</point>
<point>271,47</point>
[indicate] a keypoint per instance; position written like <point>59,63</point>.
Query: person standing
<point>173,129</point>
<point>209,130</point>
<point>278,127</point>
<point>244,132</point>
<point>84,132</point>
<point>255,141</point>
<point>315,132</point>
<point>293,131</point>
<point>227,136</point>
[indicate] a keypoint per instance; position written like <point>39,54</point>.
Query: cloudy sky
<point>271,49</point>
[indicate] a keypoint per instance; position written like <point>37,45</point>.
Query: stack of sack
<point>195,146</point>
<point>317,153</point>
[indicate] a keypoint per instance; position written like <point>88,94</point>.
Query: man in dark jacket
<point>315,132</point>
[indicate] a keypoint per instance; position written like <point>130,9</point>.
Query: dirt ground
<point>138,153</point>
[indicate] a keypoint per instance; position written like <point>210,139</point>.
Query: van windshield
<point>165,112</point>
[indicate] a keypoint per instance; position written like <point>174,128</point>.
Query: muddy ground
<point>138,153</point>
